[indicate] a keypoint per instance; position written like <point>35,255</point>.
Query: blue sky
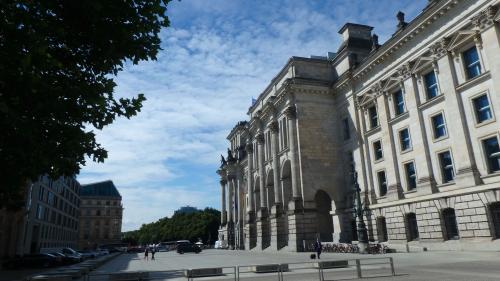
<point>216,56</point>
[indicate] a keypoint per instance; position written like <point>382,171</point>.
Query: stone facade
<point>49,219</point>
<point>415,118</point>
<point>101,213</point>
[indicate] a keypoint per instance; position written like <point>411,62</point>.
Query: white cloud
<point>198,89</point>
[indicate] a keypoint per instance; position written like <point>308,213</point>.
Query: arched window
<point>381,229</point>
<point>411,227</point>
<point>450,224</point>
<point>354,230</point>
<point>495,219</point>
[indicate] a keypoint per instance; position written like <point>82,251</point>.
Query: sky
<point>217,55</point>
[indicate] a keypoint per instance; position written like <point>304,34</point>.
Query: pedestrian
<point>146,252</point>
<point>318,247</point>
<point>153,250</point>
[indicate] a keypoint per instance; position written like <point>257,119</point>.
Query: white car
<point>102,252</point>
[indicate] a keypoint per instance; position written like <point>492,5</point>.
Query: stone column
<point>394,189</point>
<point>251,239</point>
<point>263,193</point>
<point>276,211</point>
<point>230,223</point>
<point>223,183</point>
<point>251,198</point>
<point>263,223</point>
<point>456,126</point>
<point>291,115</point>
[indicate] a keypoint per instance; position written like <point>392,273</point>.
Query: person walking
<point>318,247</point>
<point>153,251</point>
<point>146,252</point>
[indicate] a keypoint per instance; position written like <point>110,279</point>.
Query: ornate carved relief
<point>438,49</point>
<point>273,126</point>
<point>404,72</point>
<point>485,18</point>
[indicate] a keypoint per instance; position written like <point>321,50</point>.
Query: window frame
<point>442,169</point>
<point>475,112</point>
<point>371,118</point>
<point>410,146</point>
<point>466,66</point>
<point>485,157</point>
<point>396,104</point>
<point>375,151</point>
<point>379,184</point>
<point>426,86</point>
<point>431,117</point>
<point>407,176</point>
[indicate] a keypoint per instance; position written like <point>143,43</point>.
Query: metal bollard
<point>358,268</point>
<point>392,266</point>
<point>320,272</point>
<point>236,273</point>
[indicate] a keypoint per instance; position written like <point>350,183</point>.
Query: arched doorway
<point>286,196</point>
<point>324,223</point>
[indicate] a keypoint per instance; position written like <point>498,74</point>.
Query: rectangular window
<point>377,150</point>
<point>382,183</point>
<point>404,139</point>
<point>446,166</point>
<point>347,133</point>
<point>472,63</point>
<point>431,88</point>
<point>411,177</point>
<point>482,108</point>
<point>492,151</point>
<point>372,112</point>
<point>439,126</point>
<point>39,212</point>
<point>40,195</point>
<point>399,102</point>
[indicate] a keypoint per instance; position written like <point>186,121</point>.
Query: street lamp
<point>358,212</point>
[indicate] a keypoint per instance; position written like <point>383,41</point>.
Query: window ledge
<point>473,81</point>
<point>378,160</point>
<point>437,99</point>
<point>373,131</point>
<point>400,117</point>
<point>485,123</point>
<point>411,191</point>
<point>440,138</point>
<point>450,183</point>
<point>407,150</point>
<point>491,175</point>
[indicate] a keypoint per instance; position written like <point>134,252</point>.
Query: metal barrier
<point>354,268</point>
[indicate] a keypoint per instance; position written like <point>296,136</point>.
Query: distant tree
<point>202,224</point>
<point>58,59</point>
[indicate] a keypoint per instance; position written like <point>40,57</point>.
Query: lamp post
<point>359,211</point>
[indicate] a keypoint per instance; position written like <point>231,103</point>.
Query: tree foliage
<point>202,225</point>
<point>58,59</point>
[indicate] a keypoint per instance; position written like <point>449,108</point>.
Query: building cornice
<point>413,28</point>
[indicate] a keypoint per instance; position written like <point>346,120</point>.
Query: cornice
<point>411,30</point>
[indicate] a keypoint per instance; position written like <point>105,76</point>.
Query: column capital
<point>291,112</point>
<point>273,126</point>
<point>439,49</point>
<point>249,147</point>
<point>260,138</point>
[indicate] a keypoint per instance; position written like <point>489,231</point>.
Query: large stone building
<point>415,117</point>
<point>100,215</point>
<point>49,218</point>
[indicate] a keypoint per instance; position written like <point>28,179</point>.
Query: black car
<point>34,260</point>
<point>187,247</point>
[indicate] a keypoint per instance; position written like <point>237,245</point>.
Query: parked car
<point>66,251</point>
<point>33,260</point>
<point>187,247</point>
<point>66,259</point>
<point>87,254</point>
<point>103,252</point>
<point>161,248</point>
